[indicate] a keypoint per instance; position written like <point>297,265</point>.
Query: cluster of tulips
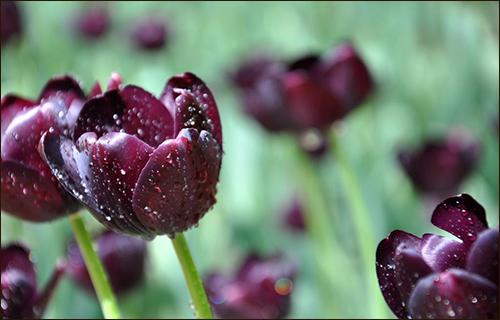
<point>147,166</point>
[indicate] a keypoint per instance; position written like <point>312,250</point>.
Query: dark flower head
<point>20,298</point>
<point>122,256</point>
<point>11,22</point>
<point>150,34</point>
<point>440,277</point>
<point>310,92</point>
<point>92,22</point>
<point>29,190</point>
<point>293,216</point>
<point>143,165</point>
<point>260,289</point>
<point>439,166</point>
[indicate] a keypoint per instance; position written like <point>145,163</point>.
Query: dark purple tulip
<point>143,165</point>
<point>122,256</point>
<point>293,216</point>
<point>439,277</point>
<point>92,22</point>
<point>20,298</point>
<point>439,166</point>
<point>150,34</point>
<point>260,289</point>
<point>29,190</point>
<point>11,22</point>
<point>311,92</point>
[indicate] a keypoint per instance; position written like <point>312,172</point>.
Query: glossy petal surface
<point>461,216</point>
<point>192,105</point>
<point>483,255</point>
<point>386,265</point>
<point>177,185</point>
<point>454,294</point>
<point>442,253</point>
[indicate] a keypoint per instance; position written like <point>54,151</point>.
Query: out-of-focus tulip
<point>20,298</point>
<point>311,92</point>
<point>293,216</point>
<point>150,34</point>
<point>122,256</point>
<point>11,22</point>
<point>143,165</point>
<point>260,289</point>
<point>438,167</point>
<point>436,277</point>
<point>29,190</point>
<point>92,22</point>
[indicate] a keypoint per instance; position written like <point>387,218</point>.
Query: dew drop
<point>473,300</point>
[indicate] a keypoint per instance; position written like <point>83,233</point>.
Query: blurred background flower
<point>12,22</point>
<point>123,257</point>
<point>150,34</point>
<point>92,22</point>
<point>435,65</point>
<point>21,297</point>
<point>259,289</point>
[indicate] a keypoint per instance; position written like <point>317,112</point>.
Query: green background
<point>436,66</point>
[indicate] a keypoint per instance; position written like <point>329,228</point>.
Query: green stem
<point>362,224</point>
<point>330,257</point>
<point>195,285</point>
<point>94,266</point>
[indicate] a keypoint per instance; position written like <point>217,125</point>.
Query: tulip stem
<point>328,254</point>
<point>94,266</point>
<point>362,224</point>
<point>195,285</point>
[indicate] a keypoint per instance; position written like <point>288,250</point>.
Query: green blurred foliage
<point>436,65</point>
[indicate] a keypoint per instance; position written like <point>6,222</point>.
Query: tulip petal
<point>348,76</point>
<point>65,87</point>
<point>146,117</point>
<point>101,114</point>
<point>71,166</point>
<point>454,294</point>
<point>386,269</point>
<point>178,184</point>
<point>410,267</point>
<point>96,90</point>
<point>21,137</point>
<point>116,162</point>
<point>483,255</point>
<point>254,70</point>
<point>192,105</point>
<point>31,196</point>
<point>18,282</point>
<point>311,103</point>
<point>11,106</point>
<point>443,253</point>
<point>439,166</point>
<point>461,216</point>
<point>132,110</point>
